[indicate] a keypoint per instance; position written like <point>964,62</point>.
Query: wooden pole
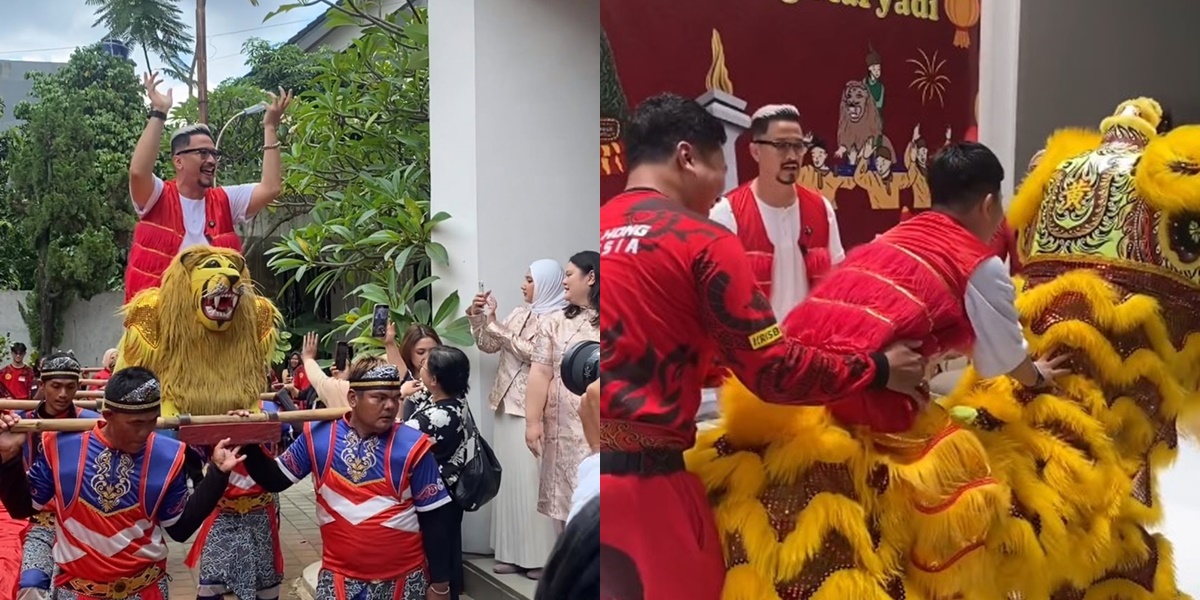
<point>98,394</point>
<point>32,404</point>
<point>201,62</point>
<point>295,416</point>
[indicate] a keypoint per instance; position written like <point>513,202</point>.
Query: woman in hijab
<point>522,537</point>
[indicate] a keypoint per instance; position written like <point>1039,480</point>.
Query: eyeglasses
<point>203,153</point>
<point>784,146</point>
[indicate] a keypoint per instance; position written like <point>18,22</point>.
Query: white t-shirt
<point>193,210</point>
<point>999,340</point>
<point>588,486</point>
<point>789,276</point>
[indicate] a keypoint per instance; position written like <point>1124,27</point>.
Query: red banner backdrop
<point>873,79</point>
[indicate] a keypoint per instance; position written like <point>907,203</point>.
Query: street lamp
<point>253,110</point>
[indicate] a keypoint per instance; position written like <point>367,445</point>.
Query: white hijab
<point>548,293</point>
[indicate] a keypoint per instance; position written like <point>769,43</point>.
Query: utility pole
<point>201,62</point>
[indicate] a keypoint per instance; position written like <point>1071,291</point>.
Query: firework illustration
<point>928,77</point>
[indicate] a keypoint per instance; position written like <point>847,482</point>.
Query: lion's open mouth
<point>220,304</point>
<point>855,110</point>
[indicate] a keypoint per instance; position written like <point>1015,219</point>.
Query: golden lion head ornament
<point>204,331</point>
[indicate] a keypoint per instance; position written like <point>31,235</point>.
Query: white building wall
<point>89,328</point>
<point>516,89</point>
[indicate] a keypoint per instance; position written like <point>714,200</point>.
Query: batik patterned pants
<point>239,557</point>
<point>414,588</point>
<point>37,563</point>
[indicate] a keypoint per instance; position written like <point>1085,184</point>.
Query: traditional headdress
<point>61,366</point>
<point>383,377</point>
<point>144,397</point>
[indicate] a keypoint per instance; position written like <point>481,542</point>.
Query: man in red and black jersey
<point>17,378</point>
<point>680,290</point>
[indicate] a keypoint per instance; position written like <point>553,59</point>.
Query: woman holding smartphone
<point>522,538</point>
<point>553,429</point>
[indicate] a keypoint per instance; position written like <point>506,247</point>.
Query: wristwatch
<point>158,114</point>
<point>1041,379</point>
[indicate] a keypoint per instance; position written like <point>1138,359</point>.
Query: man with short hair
<point>17,377</point>
<point>60,381</point>
<point>932,278</point>
<point>114,490</point>
<point>189,210</point>
<point>790,232</point>
<point>384,511</point>
<point>679,290</point>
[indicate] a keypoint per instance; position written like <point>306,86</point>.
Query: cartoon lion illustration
<point>859,123</point>
<point>204,332</point>
<point>1001,492</point>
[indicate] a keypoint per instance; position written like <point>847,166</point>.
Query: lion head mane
<point>206,365</point>
<point>859,122</point>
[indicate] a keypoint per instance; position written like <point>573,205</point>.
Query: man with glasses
<point>790,232</point>
<point>190,209</point>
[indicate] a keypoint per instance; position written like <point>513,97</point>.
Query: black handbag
<point>479,478</point>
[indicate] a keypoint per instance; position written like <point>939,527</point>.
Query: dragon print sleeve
<point>775,367</point>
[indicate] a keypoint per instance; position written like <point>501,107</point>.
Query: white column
<point>731,111</point>
<point>514,99</point>
<point>999,40</point>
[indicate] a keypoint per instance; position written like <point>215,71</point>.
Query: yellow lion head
<point>217,279</point>
<point>1126,197</point>
<point>204,331</point>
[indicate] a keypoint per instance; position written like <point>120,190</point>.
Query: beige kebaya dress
<point>563,444</point>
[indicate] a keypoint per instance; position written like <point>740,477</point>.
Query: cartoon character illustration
<point>874,174</point>
<point>817,175</point>
<point>859,123</point>
<point>1002,491</point>
<point>916,158</point>
<point>874,78</point>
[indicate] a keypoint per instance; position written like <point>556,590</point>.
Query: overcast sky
<point>48,30</point>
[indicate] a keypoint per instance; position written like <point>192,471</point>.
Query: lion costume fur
<point>204,371</point>
<point>1001,492</point>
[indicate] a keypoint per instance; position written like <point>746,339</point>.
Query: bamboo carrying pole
<point>294,416</point>
<point>32,404</point>
<point>98,394</point>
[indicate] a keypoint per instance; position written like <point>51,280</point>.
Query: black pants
<point>456,556</point>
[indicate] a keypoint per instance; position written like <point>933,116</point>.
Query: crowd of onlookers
<point>539,436</point>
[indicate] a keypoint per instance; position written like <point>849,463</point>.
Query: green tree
<point>360,150</point>
<point>155,25</point>
<point>274,66</point>
<point>68,173</point>
<point>17,260</point>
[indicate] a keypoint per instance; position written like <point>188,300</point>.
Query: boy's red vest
<point>814,234</point>
<point>907,284</point>
<point>159,235</point>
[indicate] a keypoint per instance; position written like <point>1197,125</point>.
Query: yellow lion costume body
<point>205,333</point>
<point>1029,495</point>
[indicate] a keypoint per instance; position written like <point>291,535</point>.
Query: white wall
<point>339,38</point>
<point>89,328</point>
<point>515,94</point>
<point>999,42</point>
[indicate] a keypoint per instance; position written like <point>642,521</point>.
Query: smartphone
<point>481,288</point>
<point>341,356</point>
<point>379,323</point>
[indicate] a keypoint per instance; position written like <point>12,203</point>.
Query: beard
<point>788,176</point>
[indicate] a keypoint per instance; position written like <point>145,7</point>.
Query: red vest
<point>814,234</point>
<point>908,284</point>
<point>159,235</point>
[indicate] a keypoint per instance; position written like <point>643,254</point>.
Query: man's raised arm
<point>775,367</point>
<point>141,166</point>
<point>271,183</point>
